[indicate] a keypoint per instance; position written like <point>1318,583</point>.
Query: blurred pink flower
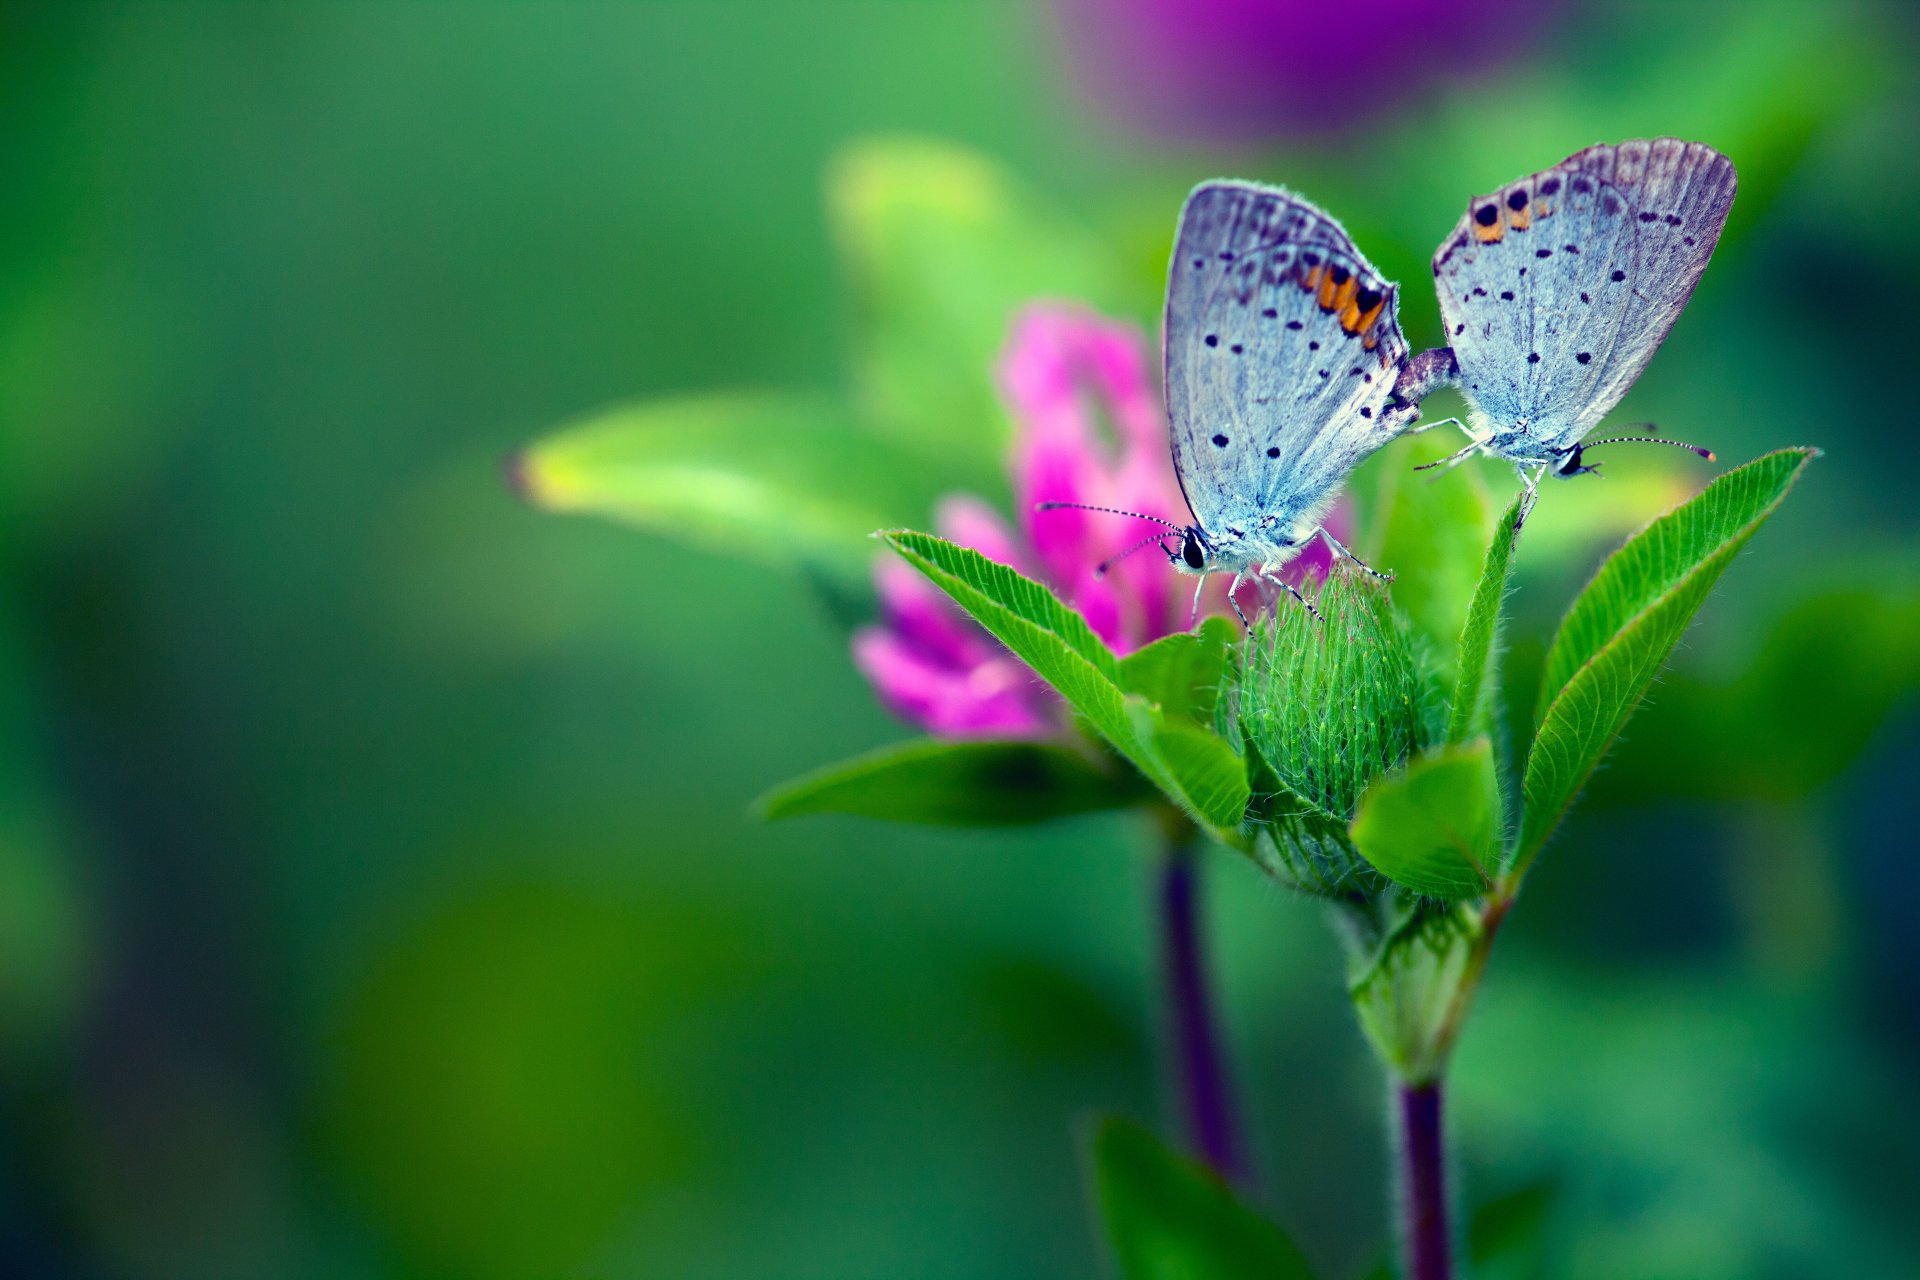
<point>1090,428</point>
<point>1246,70</point>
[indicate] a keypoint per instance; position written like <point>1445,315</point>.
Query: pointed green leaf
<point>1040,628</point>
<point>1621,629</point>
<point>778,478</point>
<point>959,784</point>
<point>1056,642</point>
<point>1433,827</point>
<point>1210,778</point>
<point>942,248</point>
<point>1182,673</point>
<point>1168,1218</point>
<point>1476,687</point>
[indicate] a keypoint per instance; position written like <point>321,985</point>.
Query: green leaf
<point>1512,1229</point>
<point>1168,1218</point>
<point>1209,779</point>
<point>1621,629</point>
<point>1433,827</point>
<point>958,784</point>
<point>778,478</point>
<point>1796,712</point>
<point>1475,688</point>
<point>1186,762</point>
<point>1182,674</point>
<point>942,249</point>
<point>1037,625</point>
<point>1430,530</point>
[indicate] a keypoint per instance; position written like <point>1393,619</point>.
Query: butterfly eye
<point>1192,552</point>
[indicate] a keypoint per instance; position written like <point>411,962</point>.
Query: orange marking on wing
<point>1330,289</point>
<point>1343,299</point>
<point>1490,233</point>
<point>1312,280</point>
<point>1353,320</point>
<point>1371,341</point>
<point>1520,219</point>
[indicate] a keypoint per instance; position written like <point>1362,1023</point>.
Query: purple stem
<point>1206,1097</point>
<point>1423,1183</point>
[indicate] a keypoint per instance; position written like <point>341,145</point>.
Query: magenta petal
<point>986,700</point>
<point>926,621</point>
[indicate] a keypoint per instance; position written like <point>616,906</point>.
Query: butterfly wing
<point>1557,289</point>
<point>1282,344</point>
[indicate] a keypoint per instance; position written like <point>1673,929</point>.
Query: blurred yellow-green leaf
<point>785,480</point>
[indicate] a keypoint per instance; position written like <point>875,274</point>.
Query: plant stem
<point>1423,1183</point>
<point>1199,1065</point>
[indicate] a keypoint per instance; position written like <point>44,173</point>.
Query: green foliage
<point>1197,769</point>
<point>1411,987</point>
<point>781,479</point>
<point>1327,705</point>
<point>942,248</point>
<point>1332,701</point>
<point>1433,827</point>
<point>1429,529</point>
<point>1168,1218</point>
<point>1300,843</point>
<point>1475,703</point>
<point>1194,767</point>
<point>958,784</point>
<point>1182,674</point>
<point>1621,629</point>
<point>1794,712</point>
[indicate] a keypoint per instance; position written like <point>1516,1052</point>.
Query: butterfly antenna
<point>1100,570</point>
<point>1112,511</point>
<point>1678,444</point>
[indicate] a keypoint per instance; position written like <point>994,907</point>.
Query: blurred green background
<point>377,895</point>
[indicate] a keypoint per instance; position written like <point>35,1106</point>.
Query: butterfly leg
<point>1232,587</point>
<point>1340,550</point>
<point>1532,494</point>
<point>1424,427</point>
<point>1193,618</point>
<point>1270,575</point>
<point>1452,460</point>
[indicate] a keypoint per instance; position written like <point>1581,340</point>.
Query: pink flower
<point>1090,428</point>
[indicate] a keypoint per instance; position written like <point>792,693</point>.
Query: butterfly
<point>1283,348</point>
<point>1556,291</point>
